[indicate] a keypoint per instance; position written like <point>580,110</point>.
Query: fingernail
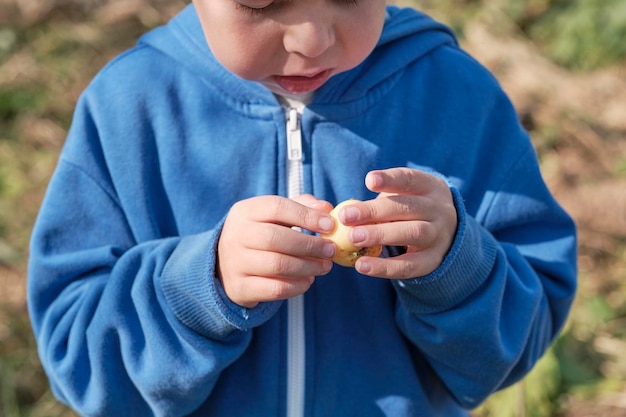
<point>362,266</point>
<point>327,224</point>
<point>374,180</point>
<point>358,234</point>
<point>328,250</point>
<point>350,214</point>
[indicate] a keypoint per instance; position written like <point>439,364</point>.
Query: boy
<point>177,266</point>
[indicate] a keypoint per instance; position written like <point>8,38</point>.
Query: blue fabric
<point>129,318</point>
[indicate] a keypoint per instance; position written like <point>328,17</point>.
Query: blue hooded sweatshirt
<point>130,319</point>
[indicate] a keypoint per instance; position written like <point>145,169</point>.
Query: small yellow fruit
<point>346,253</point>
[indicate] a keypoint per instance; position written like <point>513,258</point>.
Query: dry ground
<point>578,122</point>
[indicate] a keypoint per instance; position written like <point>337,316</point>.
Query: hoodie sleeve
<point>504,290</point>
<point>125,325</point>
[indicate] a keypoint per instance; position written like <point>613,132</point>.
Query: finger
<point>280,210</point>
<point>391,208</point>
<point>419,234</point>
<point>313,202</point>
<point>279,239</point>
<point>403,181</point>
<point>279,265</point>
<point>410,265</point>
<point>252,290</point>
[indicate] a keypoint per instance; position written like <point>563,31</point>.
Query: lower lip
<point>300,84</point>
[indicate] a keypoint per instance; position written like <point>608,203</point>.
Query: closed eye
<point>273,4</point>
<point>253,10</point>
<point>262,7</point>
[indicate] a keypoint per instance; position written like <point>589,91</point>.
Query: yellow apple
<point>346,253</point>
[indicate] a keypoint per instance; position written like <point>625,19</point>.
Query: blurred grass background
<point>563,62</point>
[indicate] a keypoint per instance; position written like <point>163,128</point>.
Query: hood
<point>407,36</point>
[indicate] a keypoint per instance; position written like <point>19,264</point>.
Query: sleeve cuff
<point>196,296</point>
<point>464,269</point>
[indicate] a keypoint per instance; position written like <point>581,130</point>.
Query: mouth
<point>299,84</point>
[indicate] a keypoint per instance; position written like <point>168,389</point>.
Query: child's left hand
<point>414,209</point>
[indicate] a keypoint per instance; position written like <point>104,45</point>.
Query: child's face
<point>291,46</point>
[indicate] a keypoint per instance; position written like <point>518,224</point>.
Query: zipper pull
<point>294,135</point>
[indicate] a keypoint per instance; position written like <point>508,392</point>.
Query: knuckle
<point>369,210</point>
<point>276,207</point>
<point>403,178</point>
<point>311,246</point>
<point>271,238</point>
<point>304,217</point>
<point>407,180</point>
<point>393,269</point>
<point>278,264</point>
<point>375,235</point>
<point>289,211</point>
<point>420,232</point>
<point>404,208</point>
<point>268,208</point>
<point>405,270</point>
<point>279,290</point>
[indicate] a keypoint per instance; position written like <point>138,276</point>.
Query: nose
<point>311,36</point>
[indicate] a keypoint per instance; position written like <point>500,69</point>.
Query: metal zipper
<point>296,346</point>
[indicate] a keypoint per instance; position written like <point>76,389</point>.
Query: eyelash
<point>261,10</point>
<point>254,10</point>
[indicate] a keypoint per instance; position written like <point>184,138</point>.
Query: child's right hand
<point>262,258</point>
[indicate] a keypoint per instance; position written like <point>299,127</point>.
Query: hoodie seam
<point>109,193</point>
